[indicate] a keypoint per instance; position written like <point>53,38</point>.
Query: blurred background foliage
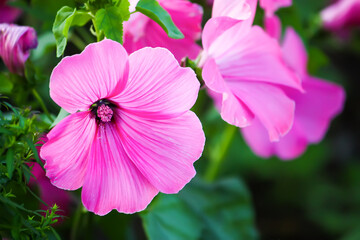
<point>316,196</point>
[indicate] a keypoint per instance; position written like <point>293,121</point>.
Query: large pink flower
<point>8,14</point>
<point>244,72</point>
<point>315,108</point>
<point>15,44</point>
<point>130,133</point>
<point>341,15</point>
<point>140,31</point>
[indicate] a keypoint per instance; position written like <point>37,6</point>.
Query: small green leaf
<point>169,218</point>
<point>153,10</point>
<point>10,164</point>
<point>5,84</point>
<point>63,20</point>
<point>81,18</point>
<point>109,21</point>
<point>62,114</point>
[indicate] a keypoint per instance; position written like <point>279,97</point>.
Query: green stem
<point>84,34</point>
<point>98,37</point>
<point>76,222</point>
<point>42,104</point>
<point>78,42</point>
<point>218,154</point>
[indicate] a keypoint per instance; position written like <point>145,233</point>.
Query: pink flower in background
<point>15,44</point>
<point>272,22</point>
<point>48,193</point>
<point>271,6</point>
<point>341,15</point>
<point>315,108</point>
<point>244,72</point>
<point>130,133</point>
<point>140,31</point>
<point>8,14</point>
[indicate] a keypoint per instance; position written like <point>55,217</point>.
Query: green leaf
<point>123,8</point>
<point>81,18</point>
<point>62,114</point>
<point>35,152</point>
<point>169,218</point>
<point>10,164</point>
<point>109,21</point>
<point>153,10</point>
<point>223,206</point>
<point>65,18</point>
<point>5,84</point>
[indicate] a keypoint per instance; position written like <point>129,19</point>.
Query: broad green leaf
<point>123,9</point>
<point>62,114</point>
<point>10,164</point>
<point>223,206</point>
<point>61,28</point>
<point>5,84</point>
<point>65,18</point>
<point>109,21</point>
<point>170,218</point>
<point>153,10</point>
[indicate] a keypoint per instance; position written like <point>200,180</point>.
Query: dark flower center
<point>103,110</point>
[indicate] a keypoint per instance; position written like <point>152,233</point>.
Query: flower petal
<point>163,150</point>
<point>315,109</point>
<point>66,151</point>
<point>158,87</point>
<point>112,181</point>
<point>294,52</point>
<point>237,9</point>
<point>232,109</point>
<point>253,57</point>
<point>8,14</point>
<point>341,15</point>
<point>273,26</point>
<point>271,6</point>
<point>100,71</point>
<point>269,104</point>
<point>290,146</point>
<point>15,44</point>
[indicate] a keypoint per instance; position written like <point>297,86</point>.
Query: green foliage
<point>218,210</point>
<point>5,84</point>
<point>153,10</point>
<point>19,130</point>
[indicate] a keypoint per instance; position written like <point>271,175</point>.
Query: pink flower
<point>8,14</point>
<point>315,108</point>
<point>271,6</point>
<point>341,15</point>
<point>140,31</point>
<point>48,193</point>
<point>130,133</point>
<point>15,44</point>
<point>244,72</point>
